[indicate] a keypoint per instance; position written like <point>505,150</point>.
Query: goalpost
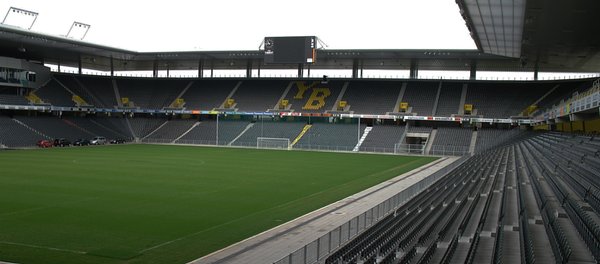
<point>273,143</point>
<point>409,148</point>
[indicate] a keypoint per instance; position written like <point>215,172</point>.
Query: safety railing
<point>319,249</point>
<point>400,149</point>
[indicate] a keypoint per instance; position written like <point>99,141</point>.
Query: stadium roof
<point>551,34</point>
<point>552,40</point>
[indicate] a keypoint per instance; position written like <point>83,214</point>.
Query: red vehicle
<point>44,143</point>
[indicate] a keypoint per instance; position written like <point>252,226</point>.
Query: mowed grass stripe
<point>166,204</point>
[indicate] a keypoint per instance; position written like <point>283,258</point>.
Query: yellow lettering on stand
<point>317,99</point>
<point>302,88</point>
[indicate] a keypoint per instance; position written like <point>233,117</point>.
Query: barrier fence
<point>400,149</point>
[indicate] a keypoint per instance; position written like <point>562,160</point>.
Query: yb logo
<point>317,97</point>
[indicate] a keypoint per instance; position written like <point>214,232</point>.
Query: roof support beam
<point>200,68</point>
<point>473,72</point>
<point>300,70</point>
<point>414,69</point>
<point>249,69</point>
<point>155,69</point>
<point>355,68</point>
<point>362,67</point>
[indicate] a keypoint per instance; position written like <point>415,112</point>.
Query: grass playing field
<point>165,204</point>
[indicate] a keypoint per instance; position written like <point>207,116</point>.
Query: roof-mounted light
<point>78,28</point>
<point>21,13</point>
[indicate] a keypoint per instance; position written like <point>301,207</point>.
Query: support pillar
<point>300,70</point>
<point>473,71</point>
<point>249,69</point>
<point>200,68</point>
<point>362,67</point>
<point>536,69</point>
<point>414,69</point>
<point>155,69</point>
<point>112,66</point>
<point>355,69</point>
<point>79,66</point>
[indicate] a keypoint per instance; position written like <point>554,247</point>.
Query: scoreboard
<point>287,50</point>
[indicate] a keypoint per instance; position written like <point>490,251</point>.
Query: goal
<point>409,149</point>
<point>273,143</point>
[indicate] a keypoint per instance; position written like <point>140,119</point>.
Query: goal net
<point>273,143</point>
<point>409,149</point>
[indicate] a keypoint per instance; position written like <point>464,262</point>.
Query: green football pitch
<point>166,204</point>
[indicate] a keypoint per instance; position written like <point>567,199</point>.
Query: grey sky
<point>240,25</point>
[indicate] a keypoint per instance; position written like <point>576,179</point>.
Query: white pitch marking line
<point>45,207</point>
<point>42,247</point>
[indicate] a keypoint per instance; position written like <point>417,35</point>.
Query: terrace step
<point>241,133</point>
<point>154,131</point>
<point>362,138</point>
<point>304,130</point>
<point>30,128</point>
<point>186,132</point>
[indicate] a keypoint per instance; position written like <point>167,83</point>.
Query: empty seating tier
<point>326,136</point>
<point>13,134</point>
<point>313,96</point>
<point>258,96</point>
<point>171,130</point>
<point>449,101</point>
<point>143,126</point>
<point>100,89</point>
<point>491,99</point>
<point>421,97</point>
<point>372,97</point>
<point>96,128</point>
<point>205,132</point>
<point>523,202</point>
<point>453,136</point>
<point>206,95</point>
<point>56,127</point>
<point>11,99</point>
<point>53,93</point>
<point>503,100</point>
<point>268,129</point>
<point>148,93</point>
<point>383,138</point>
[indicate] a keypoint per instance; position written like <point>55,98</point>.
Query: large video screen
<point>285,50</point>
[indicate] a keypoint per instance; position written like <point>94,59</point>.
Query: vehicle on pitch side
<point>117,141</point>
<point>81,142</point>
<point>98,141</point>
<point>61,142</point>
<point>44,143</point>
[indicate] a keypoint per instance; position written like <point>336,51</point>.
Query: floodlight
<point>22,12</point>
<point>76,24</point>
